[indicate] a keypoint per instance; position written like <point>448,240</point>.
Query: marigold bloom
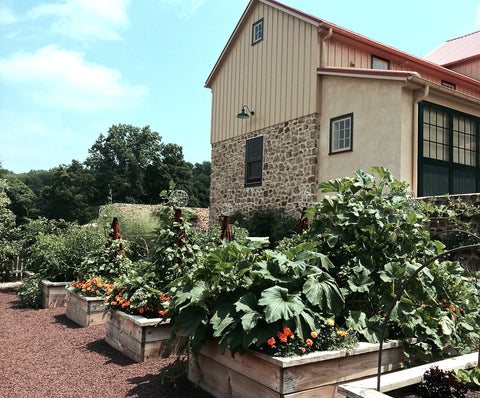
<point>287,331</point>
<point>279,334</point>
<point>283,338</point>
<point>341,333</point>
<point>303,349</point>
<point>141,310</point>
<point>330,322</point>
<point>314,335</point>
<point>309,342</point>
<point>271,342</point>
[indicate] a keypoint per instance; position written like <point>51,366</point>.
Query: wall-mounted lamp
<point>245,113</point>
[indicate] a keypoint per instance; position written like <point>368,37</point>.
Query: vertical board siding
<point>275,78</point>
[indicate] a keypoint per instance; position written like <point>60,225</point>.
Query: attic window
<point>380,63</point>
<point>449,85</point>
<point>257,31</point>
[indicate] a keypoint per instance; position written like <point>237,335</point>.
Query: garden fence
<point>13,269</point>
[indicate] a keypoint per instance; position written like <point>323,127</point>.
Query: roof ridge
<point>461,37</point>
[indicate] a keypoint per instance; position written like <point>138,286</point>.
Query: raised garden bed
<point>85,311</point>
<point>408,377</point>
<point>54,294</point>
<point>314,375</point>
<point>140,338</point>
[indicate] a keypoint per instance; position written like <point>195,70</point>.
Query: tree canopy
<point>127,165</point>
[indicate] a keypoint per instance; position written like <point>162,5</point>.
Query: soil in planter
<point>411,392</point>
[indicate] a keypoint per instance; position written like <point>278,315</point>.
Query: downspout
<point>419,96</point>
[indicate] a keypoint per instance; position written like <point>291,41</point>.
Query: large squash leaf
<point>279,304</point>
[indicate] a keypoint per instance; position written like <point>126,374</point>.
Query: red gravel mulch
<point>44,354</point>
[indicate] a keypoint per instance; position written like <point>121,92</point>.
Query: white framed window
<point>257,31</point>
<point>380,63</point>
<point>341,133</point>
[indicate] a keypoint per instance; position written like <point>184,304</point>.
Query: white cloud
<point>82,19</point>
<point>7,16</point>
<point>186,7</point>
<point>56,78</point>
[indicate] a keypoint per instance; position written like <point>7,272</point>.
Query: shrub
<point>273,223</point>
<point>58,256</point>
<point>437,383</point>
<point>30,293</point>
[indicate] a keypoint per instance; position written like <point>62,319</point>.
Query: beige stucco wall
<point>379,138</point>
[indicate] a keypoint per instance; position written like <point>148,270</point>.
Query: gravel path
<point>44,354</point>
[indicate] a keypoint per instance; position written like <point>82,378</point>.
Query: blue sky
<point>70,69</point>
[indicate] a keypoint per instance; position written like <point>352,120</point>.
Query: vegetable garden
<point>326,289</point>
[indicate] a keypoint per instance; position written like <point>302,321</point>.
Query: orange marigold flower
<point>330,322</point>
<point>341,333</point>
<point>271,342</point>
<point>141,310</point>
<point>287,331</point>
<point>303,349</point>
<point>309,342</point>
<point>279,334</point>
<point>314,335</point>
<point>98,292</point>
<point>162,312</point>
<point>283,338</point>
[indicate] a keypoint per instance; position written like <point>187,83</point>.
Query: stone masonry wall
<point>289,169</point>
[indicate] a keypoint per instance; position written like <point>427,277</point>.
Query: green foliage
<point>136,292</point>
<point>8,232</point>
<point>138,228</point>
<point>373,234</point>
<point>469,376</point>
<point>273,223</point>
<point>30,293</point>
<point>58,255</point>
<point>244,296</point>
<point>174,254</point>
<point>70,195</point>
<point>105,262</point>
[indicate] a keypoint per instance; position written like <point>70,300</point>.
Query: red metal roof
<point>456,50</point>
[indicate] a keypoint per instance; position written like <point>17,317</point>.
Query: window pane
<point>464,181</point>
<point>435,180</point>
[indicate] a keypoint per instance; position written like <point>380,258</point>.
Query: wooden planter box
<point>85,311</point>
<point>54,294</point>
<point>313,375</point>
<point>367,388</point>
<point>140,338</point>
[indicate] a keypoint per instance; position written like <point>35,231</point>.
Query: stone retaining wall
<point>290,157</point>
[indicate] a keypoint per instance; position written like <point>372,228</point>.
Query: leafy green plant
<point>135,292</point>
<point>174,254</point>
<point>373,234</point>
<point>30,293</point>
<point>58,256</point>
<point>243,296</point>
<point>470,377</point>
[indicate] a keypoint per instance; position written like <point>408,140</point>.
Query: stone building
<point>297,100</point>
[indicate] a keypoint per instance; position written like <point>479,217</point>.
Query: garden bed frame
<point>54,294</point>
<point>313,375</point>
<point>367,388</point>
<point>140,338</point>
<point>85,311</point>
